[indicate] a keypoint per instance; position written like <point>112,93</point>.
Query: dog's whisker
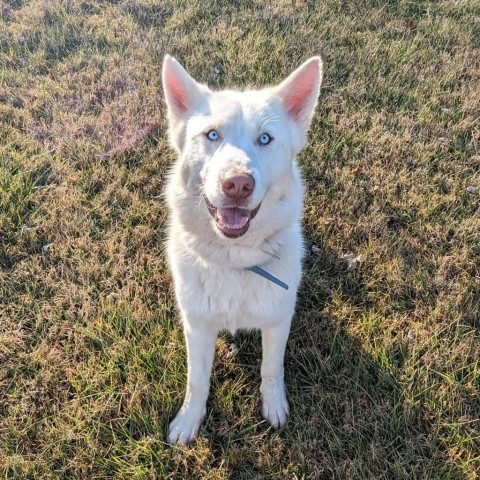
<point>272,254</point>
<point>267,120</point>
<point>201,198</point>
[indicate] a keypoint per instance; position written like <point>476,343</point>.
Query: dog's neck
<point>234,255</point>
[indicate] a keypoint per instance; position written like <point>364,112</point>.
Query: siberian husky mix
<point>235,243</point>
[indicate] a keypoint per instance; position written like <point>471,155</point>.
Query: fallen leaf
<point>113,296</point>
<point>357,171</point>
<point>410,23</point>
<point>232,350</point>
<point>47,247</point>
<point>352,260</point>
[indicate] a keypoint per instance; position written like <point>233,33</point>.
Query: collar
<point>263,273</point>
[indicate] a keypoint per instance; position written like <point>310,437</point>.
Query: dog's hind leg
<point>274,399</point>
<point>200,352</point>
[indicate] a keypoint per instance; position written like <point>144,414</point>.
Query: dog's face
<point>237,147</point>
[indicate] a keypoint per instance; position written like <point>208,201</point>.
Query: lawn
<point>383,361</point>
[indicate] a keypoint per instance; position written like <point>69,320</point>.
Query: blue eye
<point>264,139</point>
<point>212,135</point>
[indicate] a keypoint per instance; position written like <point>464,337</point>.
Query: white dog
<point>235,243</point>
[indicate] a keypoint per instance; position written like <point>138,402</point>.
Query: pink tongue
<point>233,217</point>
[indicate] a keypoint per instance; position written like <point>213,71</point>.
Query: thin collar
<point>268,276</point>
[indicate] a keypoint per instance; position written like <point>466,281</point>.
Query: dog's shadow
<point>350,415</point>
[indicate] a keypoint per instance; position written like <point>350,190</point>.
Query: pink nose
<point>239,186</point>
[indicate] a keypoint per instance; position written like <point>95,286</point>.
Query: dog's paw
<point>275,407</point>
<point>184,427</point>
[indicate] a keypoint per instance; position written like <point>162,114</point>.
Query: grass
<point>382,365</point>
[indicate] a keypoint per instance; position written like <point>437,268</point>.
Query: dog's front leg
<point>274,399</point>
<point>200,352</point>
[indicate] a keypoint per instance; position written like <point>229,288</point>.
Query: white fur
<point>213,288</point>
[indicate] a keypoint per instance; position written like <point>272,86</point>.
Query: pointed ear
<point>299,92</point>
<point>182,92</point>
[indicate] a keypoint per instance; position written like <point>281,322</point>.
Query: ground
<point>382,366</point>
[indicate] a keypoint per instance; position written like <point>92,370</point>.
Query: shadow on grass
<point>351,413</point>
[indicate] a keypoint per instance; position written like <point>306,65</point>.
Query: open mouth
<point>233,222</point>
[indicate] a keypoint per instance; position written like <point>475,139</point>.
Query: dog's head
<point>237,148</point>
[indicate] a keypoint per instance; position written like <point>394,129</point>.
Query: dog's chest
<point>232,298</point>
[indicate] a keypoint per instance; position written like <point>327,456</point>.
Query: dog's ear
<point>183,96</point>
<point>299,92</point>
<point>182,92</point>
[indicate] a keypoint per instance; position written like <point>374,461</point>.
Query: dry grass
<point>382,365</point>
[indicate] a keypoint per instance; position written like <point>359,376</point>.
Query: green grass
<point>382,365</point>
